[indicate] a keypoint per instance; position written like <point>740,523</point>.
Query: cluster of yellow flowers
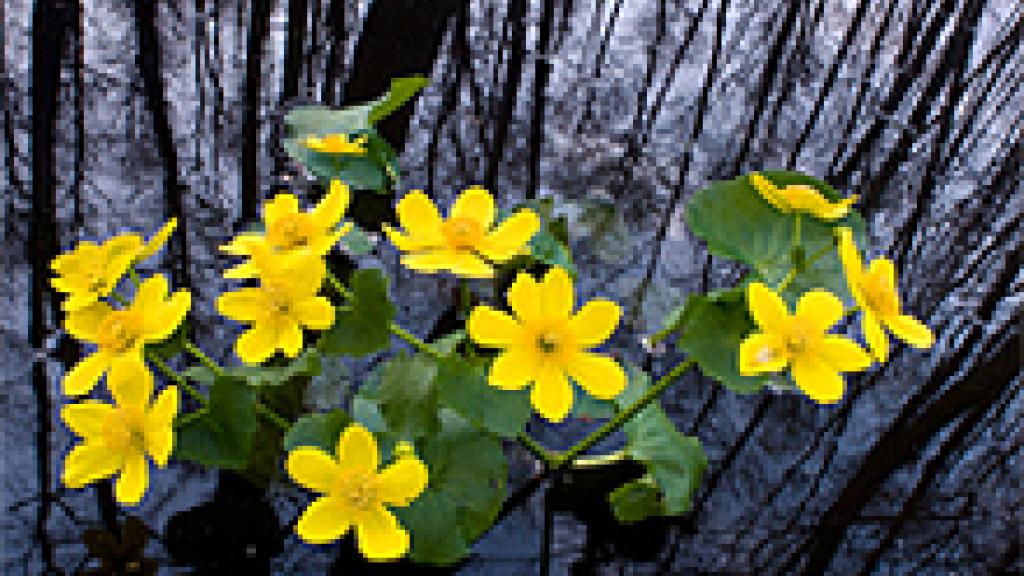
<point>801,341</point>
<point>117,437</point>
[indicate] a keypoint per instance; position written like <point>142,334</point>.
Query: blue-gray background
<point>117,114</point>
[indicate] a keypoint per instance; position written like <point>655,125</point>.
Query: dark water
<point>118,114</point>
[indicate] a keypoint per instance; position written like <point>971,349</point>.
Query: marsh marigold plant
<point>467,243</point>
<point>544,343</point>
<point>356,493</point>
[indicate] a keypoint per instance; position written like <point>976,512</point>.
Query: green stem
<point>394,328</point>
<point>796,231</point>
<point>626,415</point>
<point>177,378</point>
<point>536,449</point>
<point>203,358</point>
<point>466,304</point>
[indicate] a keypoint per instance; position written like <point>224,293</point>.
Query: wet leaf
<point>637,500</point>
<point>220,435</point>
<point>320,430</point>
<point>362,327</point>
<point>463,387</point>
<point>407,397</point>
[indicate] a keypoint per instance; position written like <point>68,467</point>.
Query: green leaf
<point>449,343</point>
<point>408,399</point>
<point>305,365</point>
<point>366,411</point>
<point>586,406</point>
<point>432,522</point>
<point>402,89</point>
<point>320,430</point>
<point>675,462</point>
<point>469,467</point>
<point>711,329</point>
<point>220,435</point>
<point>637,500</point>
<point>547,249</point>
<point>356,242</point>
<point>364,327</point>
<point>737,223</point>
<point>200,374</point>
<point>464,388</point>
<point>172,345</point>
<point>366,172</point>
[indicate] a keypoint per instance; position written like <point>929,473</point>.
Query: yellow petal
<point>817,379</point>
<point>601,376</point>
<point>314,312</point>
<point>808,200</point>
<point>761,353</point>
<point>493,328</point>
<point>910,330</point>
<point>420,218</point>
<point>474,204</point>
<point>89,462</point>
<point>158,240</point>
<point>556,294</point>
<point>290,339</point>
<point>468,265</point>
<point>321,245</point>
<point>843,354</point>
<point>84,324</point>
<point>401,482</point>
<point>595,322</point>
<point>878,342</point>
<point>119,252</point>
<point>768,191</point>
<point>850,255</point>
<point>242,271</point>
<point>524,298</point>
<point>83,376</point>
<point>151,293</point>
<point>159,429</point>
<point>427,261</point>
<point>280,205</point>
<point>551,394</point>
<point>767,308</point>
<point>381,537</point>
<point>331,208</point>
<point>324,521</point>
<point>885,271</point>
<point>87,418</point>
<point>511,236</point>
<point>402,241</point>
<point>129,381</point>
<point>513,369</point>
<point>244,304</point>
<point>313,468</point>
<point>134,479</point>
<point>820,309</point>
<point>162,320</point>
<point>242,244</point>
<point>357,451</point>
<point>256,344</point>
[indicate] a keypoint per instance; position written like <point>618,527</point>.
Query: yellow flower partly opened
<point>355,493</point>
<point>158,240</point>
<point>464,243</point>
<point>121,334</point>
<point>800,341</point>
<point>337,144</point>
<point>289,230</point>
<point>91,271</point>
<point>284,303</point>
<point>116,438</point>
<point>801,198</point>
<point>545,343</point>
<point>874,289</point>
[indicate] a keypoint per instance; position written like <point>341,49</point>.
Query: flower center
<point>359,490</point>
<point>549,342</point>
<point>796,341</point>
<point>120,331</point>
<point>462,233</point>
<point>291,231</point>
<point>125,431</point>
<point>277,299</point>
<point>876,292</point>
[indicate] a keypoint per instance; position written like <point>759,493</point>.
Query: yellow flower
<point>289,231</point>
<point>121,334</point>
<point>545,343</point>
<point>461,243</point>
<point>91,271</point>
<point>874,289</point>
<point>337,144</point>
<point>278,309</point>
<point>158,240</point>
<point>355,493</point>
<point>801,198</point>
<point>117,437</point>
<point>800,341</point>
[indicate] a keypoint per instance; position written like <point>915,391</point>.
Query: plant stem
<point>177,378</point>
<point>536,449</point>
<point>621,418</point>
<point>394,328</point>
<point>203,358</point>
